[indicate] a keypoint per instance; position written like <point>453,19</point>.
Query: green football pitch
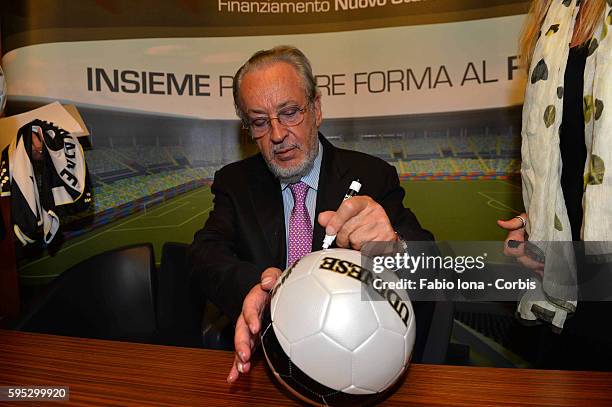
<point>452,210</point>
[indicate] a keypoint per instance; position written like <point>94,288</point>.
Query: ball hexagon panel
<point>274,301</point>
<point>322,359</point>
<point>300,270</point>
<point>378,360</point>
<point>303,268</point>
<point>300,309</point>
<point>349,321</point>
<point>339,281</point>
<point>284,343</point>
<point>335,282</point>
<point>396,377</point>
<point>388,320</point>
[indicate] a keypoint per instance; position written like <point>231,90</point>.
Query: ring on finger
<point>523,220</point>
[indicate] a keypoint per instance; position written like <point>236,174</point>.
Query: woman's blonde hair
<point>590,15</point>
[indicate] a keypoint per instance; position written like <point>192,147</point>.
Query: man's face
<point>266,91</point>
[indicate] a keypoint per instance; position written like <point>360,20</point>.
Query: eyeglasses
<point>289,117</point>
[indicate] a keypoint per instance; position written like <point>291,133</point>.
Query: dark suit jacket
<point>245,232</point>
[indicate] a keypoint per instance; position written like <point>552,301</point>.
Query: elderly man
<point>265,206</point>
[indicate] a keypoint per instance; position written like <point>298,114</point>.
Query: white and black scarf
<point>64,182</point>
<point>541,157</point>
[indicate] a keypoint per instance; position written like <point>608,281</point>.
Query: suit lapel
<point>267,201</point>
<point>333,184</point>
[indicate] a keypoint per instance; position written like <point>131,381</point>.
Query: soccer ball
<point>332,339</point>
<point>2,91</point>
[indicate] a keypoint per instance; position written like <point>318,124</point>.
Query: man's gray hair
<point>282,53</point>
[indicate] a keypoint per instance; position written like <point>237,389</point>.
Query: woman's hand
<point>514,245</point>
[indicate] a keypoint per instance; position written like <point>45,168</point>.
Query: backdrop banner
<point>432,86</point>
<point>379,72</point>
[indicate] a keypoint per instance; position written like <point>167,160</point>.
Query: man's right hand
<point>249,323</point>
<point>517,233</point>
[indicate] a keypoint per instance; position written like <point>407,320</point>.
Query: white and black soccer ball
<point>325,338</point>
<point>3,91</point>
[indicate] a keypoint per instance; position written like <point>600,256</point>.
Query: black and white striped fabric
<point>2,229</point>
<point>62,175</point>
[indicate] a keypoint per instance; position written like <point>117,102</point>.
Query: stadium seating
<point>124,172</point>
<point>466,152</point>
<point>130,189</point>
<point>102,160</point>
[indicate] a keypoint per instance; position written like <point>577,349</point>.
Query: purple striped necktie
<point>300,228</point>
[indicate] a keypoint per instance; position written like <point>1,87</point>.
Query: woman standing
<point>566,142</point>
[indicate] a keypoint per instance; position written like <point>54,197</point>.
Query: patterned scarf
<point>35,212</point>
<point>541,166</point>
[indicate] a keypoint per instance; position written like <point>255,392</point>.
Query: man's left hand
<point>358,220</point>
<point>248,325</point>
